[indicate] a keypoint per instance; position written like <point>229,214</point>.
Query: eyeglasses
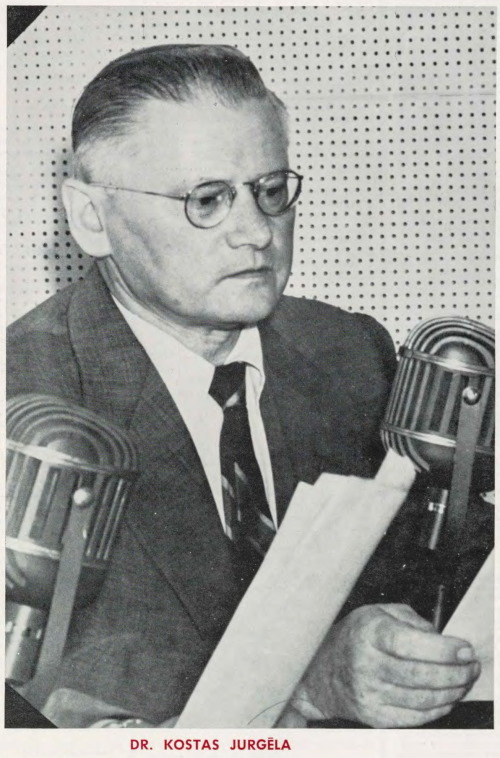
<point>209,203</point>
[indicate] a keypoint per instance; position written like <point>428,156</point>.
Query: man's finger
<point>421,699</point>
<point>423,675</point>
<point>403,641</point>
<point>406,614</point>
<point>406,717</point>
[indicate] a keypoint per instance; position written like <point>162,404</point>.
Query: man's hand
<point>385,666</point>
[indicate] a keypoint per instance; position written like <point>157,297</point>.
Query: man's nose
<point>248,225</point>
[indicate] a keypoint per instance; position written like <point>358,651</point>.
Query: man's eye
<point>274,196</point>
<point>278,189</point>
<point>207,200</point>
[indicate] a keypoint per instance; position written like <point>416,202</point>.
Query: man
<point>183,195</point>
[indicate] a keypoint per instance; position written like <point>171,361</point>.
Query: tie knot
<point>228,382</point>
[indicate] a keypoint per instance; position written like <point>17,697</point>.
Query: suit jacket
<point>170,592</point>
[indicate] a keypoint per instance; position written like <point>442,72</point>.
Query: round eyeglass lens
<point>276,192</point>
<point>208,204</point>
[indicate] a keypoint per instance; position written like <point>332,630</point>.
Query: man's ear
<point>85,218</point>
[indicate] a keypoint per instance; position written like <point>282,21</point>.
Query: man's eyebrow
<point>208,179</point>
<point>191,183</point>
<point>204,179</point>
<point>188,185</point>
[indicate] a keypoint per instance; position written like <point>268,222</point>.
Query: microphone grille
<point>66,428</point>
<point>55,449</point>
<point>439,359</point>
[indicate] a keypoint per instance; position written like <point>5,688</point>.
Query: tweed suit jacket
<point>170,592</point>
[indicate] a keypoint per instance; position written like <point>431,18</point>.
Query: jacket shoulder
<point>343,364</point>
<point>317,328</point>
<point>39,353</point>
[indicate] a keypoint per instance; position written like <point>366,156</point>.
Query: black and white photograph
<point>250,379</point>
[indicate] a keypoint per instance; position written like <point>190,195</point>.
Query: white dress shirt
<point>188,376</point>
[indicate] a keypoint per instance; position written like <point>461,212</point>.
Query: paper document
<point>329,532</point>
<point>473,621</point>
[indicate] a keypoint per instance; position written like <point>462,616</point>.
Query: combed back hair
<point>109,107</point>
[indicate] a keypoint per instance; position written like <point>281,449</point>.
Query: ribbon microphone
<point>441,415</point>
<point>69,474</point>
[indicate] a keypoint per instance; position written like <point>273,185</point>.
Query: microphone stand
<point>450,506</point>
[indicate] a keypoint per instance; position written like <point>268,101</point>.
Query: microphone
<point>69,474</point>
<point>440,414</point>
<point>444,362</point>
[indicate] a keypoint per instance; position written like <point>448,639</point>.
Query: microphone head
<point>441,359</point>
<point>60,455</point>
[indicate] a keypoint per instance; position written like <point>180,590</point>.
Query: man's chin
<point>241,317</point>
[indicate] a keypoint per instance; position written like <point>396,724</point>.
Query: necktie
<point>249,525</point>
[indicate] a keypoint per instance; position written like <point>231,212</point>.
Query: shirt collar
<point>248,349</point>
<point>174,361</point>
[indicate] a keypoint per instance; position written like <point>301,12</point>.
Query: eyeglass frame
<point>232,189</point>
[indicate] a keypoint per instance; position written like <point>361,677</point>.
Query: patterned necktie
<point>249,525</point>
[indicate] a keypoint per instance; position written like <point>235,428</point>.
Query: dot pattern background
<point>393,125</point>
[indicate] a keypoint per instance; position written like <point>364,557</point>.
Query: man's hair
<point>109,107</point>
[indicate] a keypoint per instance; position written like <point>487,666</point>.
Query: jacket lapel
<point>172,510</point>
<point>175,516</point>
<point>307,412</point>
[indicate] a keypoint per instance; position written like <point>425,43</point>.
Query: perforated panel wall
<point>393,119</point>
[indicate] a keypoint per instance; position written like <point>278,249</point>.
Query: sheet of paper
<point>473,621</point>
<point>326,539</point>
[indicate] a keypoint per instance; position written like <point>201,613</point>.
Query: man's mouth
<point>249,273</point>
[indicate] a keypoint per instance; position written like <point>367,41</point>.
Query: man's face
<point>223,277</point>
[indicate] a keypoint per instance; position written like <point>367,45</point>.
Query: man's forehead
<point>203,133</point>
<point>204,110</point>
